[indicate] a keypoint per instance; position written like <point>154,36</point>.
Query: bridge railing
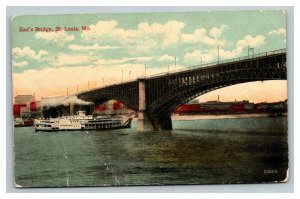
<point>211,64</point>
<point>104,86</point>
<point>259,55</point>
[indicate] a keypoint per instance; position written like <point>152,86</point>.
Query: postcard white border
<point>257,188</point>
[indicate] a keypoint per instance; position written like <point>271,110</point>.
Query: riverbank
<point>228,123</point>
<point>227,116</point>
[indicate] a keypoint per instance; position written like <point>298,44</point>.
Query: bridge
<point>154,97</point>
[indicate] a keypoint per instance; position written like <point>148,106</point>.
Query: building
<point>235,107</point>
<point>112,107</point>
<point>24,99</point>
<point>25,112</point>
<point>22,105</point>
<point>17,109</point>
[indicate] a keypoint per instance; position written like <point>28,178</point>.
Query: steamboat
<point>81,121</point>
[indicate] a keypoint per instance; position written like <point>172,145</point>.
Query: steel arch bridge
<point>154,97</point>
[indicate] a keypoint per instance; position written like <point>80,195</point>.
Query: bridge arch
<point>126,93</point>
<point>181,87</point>
<point>186,92</point>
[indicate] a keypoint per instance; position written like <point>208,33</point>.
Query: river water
<point>197,151</point>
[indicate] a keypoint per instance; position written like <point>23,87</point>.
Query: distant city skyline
<point>119,47</point>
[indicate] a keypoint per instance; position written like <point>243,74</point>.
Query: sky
<point>91,50</point>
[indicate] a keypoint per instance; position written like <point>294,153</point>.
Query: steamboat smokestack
<point>71,108</point>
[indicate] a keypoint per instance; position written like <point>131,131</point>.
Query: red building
<point>189,108</point>
<point>24,106</point>
<point>17,109</point>
<point>236,107</point>
<point>33,106</point>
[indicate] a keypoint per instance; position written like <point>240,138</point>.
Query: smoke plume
<point>63,101</point>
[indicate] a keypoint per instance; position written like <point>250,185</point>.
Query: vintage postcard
<point>178,98</point>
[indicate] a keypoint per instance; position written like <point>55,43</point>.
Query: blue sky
<point>55,60</point>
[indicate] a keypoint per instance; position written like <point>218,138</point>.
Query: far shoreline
<point>224,116</point>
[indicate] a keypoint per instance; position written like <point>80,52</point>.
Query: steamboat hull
<point>91,126</point>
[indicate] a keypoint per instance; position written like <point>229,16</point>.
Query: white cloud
<point>197,56</point>
<point>27,52</point>
<point>100,29</point>
<point>112,61</point>
<point>68,60</point>
<point>213,42</point>
<point>143,59</point>
<point>200,36</point>
<point>248,40</point>
<point>166,58</point>
<point>59,38</point>
<point>170,31</point>
<point>20,64</point>
<point>96,46</point>
<point>216,32</point>
<point>145,37</point>
<point>197,36</point>
<point>280,31</point>
<point>208,56</point>
<point>122,60</point>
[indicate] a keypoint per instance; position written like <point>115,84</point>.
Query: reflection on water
<point>126,157</point>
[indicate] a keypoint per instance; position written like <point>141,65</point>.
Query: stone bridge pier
<point>148,121</point>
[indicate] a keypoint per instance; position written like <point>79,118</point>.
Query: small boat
<point>19,122</point>
<point>81,122</point>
